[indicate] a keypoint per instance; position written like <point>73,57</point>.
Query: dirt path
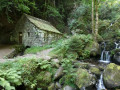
<point>5,50</point>
<point>43,54</point>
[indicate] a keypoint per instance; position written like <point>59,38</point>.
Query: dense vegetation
<point>85,25</point>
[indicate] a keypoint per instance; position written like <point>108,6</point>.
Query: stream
<point>105,59</point>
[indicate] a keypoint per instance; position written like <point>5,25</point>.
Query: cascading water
<point>117,45</point>
<point>100,84</point>
<point>105,55</point>
<point>83,88</point>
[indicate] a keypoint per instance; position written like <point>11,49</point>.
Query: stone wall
<point>32,35</point>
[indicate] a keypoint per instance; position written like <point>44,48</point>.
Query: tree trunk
<point>93,25</point>
<point>97,18</point>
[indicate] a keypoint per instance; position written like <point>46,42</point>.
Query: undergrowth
<point>27,71</point>
<point>73,47</point>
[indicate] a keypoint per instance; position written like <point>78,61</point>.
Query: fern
<point>5,84</point>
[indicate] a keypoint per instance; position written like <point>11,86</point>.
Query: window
<point>28,34</point>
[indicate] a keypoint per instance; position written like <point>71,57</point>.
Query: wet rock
<point>111,76</point>
<point>116,56</point>
<point>59,73</point>
<point>51,87</point>
<point>58,86</point>
<point>84,79</point>
<point>68,88</point>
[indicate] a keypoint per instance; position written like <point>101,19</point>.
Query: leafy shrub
<point>28,71</point>
<point>5,84</point>
<point>75,44</point>
<point>10,77</point>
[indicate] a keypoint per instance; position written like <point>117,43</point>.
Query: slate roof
<point>42,24</point>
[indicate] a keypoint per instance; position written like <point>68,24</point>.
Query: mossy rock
<point>95,70</point>
<point>84,79</point>
<point>43,79</point>
<point>111,76</point>
<point>93,48</point>
<point>51,87</point>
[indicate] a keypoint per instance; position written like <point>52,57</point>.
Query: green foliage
<point>10,77</point>
<point>19,5</point>
<point>28,71</point>
<point>5,84</point>
<point>69,72</point>
<point>52,11</point>
<point>74,45</point>
<point>80,18</point>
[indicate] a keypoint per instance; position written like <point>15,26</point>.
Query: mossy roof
<point>42,24</point>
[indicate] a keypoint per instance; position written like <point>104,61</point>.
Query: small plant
<point>44,64</point>
<point>69,71</point>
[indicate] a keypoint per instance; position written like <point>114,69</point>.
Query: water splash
<point>83,88</point>
<point>100,84</point>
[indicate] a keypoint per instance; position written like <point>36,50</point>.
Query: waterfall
<point>83,88</point>
<point>117,45</point>
<point>100,84</point>
<point>105,55</point>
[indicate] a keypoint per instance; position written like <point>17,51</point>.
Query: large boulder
<point>84,79</point>
<point>95,71</point>
<point>93,48</point>
<point>116,57</point>
<point>111,76</point>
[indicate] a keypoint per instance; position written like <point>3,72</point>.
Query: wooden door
<point>20,37</point>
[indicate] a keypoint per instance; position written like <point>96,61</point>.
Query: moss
<point>112,75</point>
<point>51,87</point>
<point>83,78</point>
<point>111,66</point>
<point>93,47</point>
<point>95,70</point>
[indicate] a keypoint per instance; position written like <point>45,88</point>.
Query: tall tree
<point>95,21</point>
<point>97,17</point>
<point>93,25</point>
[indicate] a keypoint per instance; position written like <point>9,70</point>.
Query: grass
<point>34,50</point>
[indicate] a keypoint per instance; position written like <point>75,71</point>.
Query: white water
<point>100,84</point>
<point>117,45</point>
<point>83,88</point>
<point>105,55</point>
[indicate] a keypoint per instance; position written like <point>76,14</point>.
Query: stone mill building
<point>31,31</point>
